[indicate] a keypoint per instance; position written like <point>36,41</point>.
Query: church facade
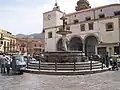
<point>94,30</point>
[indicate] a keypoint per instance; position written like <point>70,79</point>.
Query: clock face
<point>49,17</point>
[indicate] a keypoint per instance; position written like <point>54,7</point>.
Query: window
<point>90,26</point>
<point>68,28</point>
<point>116,50</point>
<point>117,13</point>
<point>60,29</point>
<point>75,15</point>
<point>13,42</point>
<point>101,50</point>
<point>49,34</point>
<point>35,45</point>
<point>88,18</point>
<point>2,42</point>
<point>109,26</point>
<point>82,26</point>
<point>49,17</point>
<point>102,16</point>
<point>65,22</point>
<point>76,21</point>
<point>7,44</point>
<point>1,36</point>
<point>22,49</point>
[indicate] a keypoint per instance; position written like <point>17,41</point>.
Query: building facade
<point>7,42</point>
<point>29,45</point>
<point>94,30</point>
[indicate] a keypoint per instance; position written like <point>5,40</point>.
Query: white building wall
<point>93,13</point>
<point>99,26</point>
<point>81,16</point>
<point>109,36</point>
<point>49,19</point>
<point>50,43</point>
<point>58,16</point>
<point>108,11</point>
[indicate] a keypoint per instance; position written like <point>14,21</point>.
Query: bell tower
<point>82,4</point>
<point>51,20</point>
<point>56,7</point>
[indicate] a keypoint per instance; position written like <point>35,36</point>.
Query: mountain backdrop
<point>34,35</point>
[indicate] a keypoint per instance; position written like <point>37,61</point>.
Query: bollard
<point>55,65</point>
<point>39,63</point>
<point>90,62</point>
<point>27,61</point>
<point>47,58</point>
<point>102,64</point>
<point>74,64</point>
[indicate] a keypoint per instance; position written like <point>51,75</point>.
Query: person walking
<point>115,63</point>
<point>107,60</point>
<point>8,62</point>
<point>3,65</point>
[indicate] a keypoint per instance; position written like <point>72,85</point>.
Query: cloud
<point>23,3</point>
<point>25,16</point>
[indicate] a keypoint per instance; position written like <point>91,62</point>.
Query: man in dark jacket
<point>3,62</point>
<point>8,65</point>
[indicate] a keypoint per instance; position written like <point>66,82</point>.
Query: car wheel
<point>21,72</point>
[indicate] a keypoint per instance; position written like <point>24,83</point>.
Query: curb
<point>66,73</point>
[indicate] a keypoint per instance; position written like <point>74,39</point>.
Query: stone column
<point>84,47</point>
<point>64,42</point>
<point>96,50</point>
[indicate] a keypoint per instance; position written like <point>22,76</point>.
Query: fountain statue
<point>64,33</point>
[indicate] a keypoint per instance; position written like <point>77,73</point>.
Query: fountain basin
<point>65,32</point>
<point>62,57</point>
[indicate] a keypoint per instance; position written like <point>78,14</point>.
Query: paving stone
<point>109,80</point>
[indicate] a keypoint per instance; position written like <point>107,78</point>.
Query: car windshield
<point>20,58</point>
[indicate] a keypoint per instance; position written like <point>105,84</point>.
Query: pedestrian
<point>107,60</point>
<point>115,63</point>
<point>8,65</point>
<point>3,65</point>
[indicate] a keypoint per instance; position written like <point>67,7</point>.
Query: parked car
<point>30,59</point>
<point>33,60</point>
<point>18,64</point>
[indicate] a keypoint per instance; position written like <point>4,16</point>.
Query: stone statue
<point>65,43</point>
<point>64,33</point>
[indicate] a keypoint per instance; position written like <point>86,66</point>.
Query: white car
<point>33,60</point>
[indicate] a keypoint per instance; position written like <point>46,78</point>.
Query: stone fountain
<point>64,33</point>
<point>66,55</point>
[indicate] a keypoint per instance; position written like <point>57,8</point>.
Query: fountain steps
<point>66,66</point>
<point>63,66</point>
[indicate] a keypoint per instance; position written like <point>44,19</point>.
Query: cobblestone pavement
<point>102,81</point>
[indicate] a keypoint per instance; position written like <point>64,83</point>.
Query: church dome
<point>83,1</point>
<point>82,4</point>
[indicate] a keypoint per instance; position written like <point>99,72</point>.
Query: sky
<point>26,16</point>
